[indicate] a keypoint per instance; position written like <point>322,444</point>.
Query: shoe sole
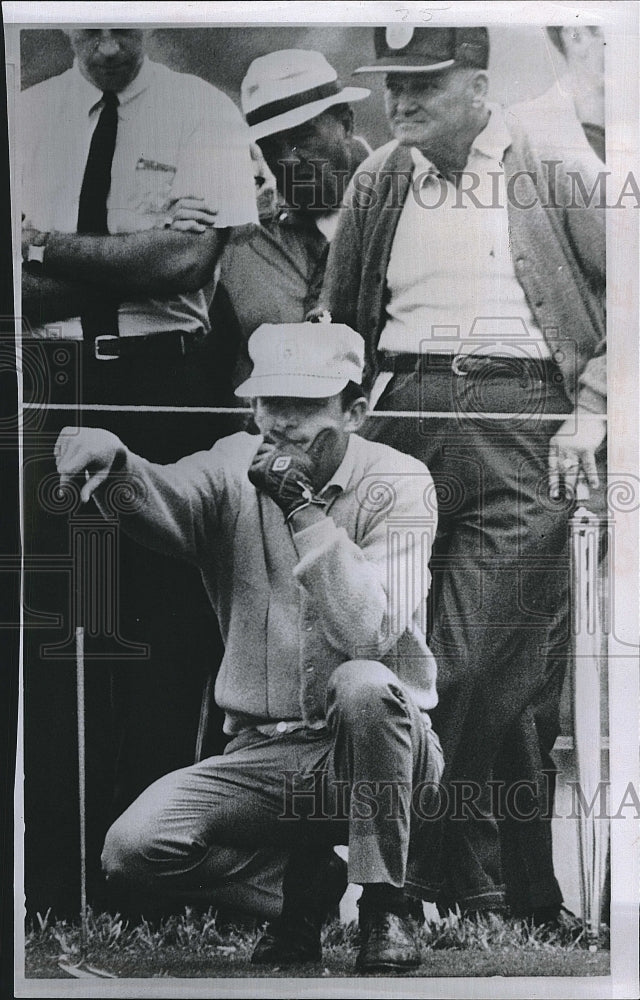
<point>284,962</point>
<point>388,966</point>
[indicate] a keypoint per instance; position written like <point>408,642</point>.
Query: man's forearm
<point>162,506</point>
<point>150,263</point>
<point>45,299</point>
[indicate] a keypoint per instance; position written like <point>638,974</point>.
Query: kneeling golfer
<point>313,546</point>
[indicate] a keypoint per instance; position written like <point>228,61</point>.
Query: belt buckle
<point>104,357</point>
<point>460,372</point>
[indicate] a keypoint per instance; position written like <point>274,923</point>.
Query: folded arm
<point>155,262</point>
<point>46,299</point>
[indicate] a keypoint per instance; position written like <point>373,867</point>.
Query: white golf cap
<point>291,86</point>
<point>306,360</point>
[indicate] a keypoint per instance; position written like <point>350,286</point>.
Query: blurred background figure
<point>572,109</point>
<point>583,83</point>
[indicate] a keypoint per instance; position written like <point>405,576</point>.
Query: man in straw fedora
<point>301,124</point>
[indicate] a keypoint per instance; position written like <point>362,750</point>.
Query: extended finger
<point>191,205</point>
<point>554,474</point>
<point>198,215</point>
<point>582,487</point>
<point>590,469</point>
<point>92,483</point>
<point>571,471</point>
<point>188,226</point>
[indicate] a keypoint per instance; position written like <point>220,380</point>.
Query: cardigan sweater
<point>557,246</point>
<point>292,607</point>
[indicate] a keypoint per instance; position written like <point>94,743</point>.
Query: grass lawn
<point>194,946</point>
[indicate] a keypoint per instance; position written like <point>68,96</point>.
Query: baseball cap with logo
<point>307,360</point>
<point>288,87</point>
<point>401,48</point>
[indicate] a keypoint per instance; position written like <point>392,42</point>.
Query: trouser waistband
<point>488,365</point>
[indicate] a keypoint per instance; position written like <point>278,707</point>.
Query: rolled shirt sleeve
<point>215,162</point>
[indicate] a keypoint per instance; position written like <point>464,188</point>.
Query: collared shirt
<point>451,279</point>
<point>272,275</point>
<point>290,607</point>
<point>177,136</point>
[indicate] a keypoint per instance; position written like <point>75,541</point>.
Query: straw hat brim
<point>296,116</point>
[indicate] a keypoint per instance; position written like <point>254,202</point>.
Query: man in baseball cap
<point>463,300</point>
<point>435,89</point>
<point>311,544</point>
<point>402,48</point>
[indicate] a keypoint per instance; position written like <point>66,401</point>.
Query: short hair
<point>350,393</point>
<point>342,113</point>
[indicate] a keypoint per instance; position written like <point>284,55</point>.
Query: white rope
<point>238,411</point>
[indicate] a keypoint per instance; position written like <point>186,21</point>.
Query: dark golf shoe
<point>285,943</point>
<point>387,943</point>
<point>312,890</point>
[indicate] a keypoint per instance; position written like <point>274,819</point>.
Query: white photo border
<point>620,22</point>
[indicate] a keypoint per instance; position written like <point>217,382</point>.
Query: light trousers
<point>219,832</point>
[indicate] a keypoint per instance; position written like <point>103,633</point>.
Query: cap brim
<point>283,122</point>
<point>297,386</point>
<point>403,66</point>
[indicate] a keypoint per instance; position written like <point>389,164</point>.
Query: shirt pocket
<point>153,181</point>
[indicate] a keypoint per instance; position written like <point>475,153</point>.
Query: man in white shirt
<point>176,137</point>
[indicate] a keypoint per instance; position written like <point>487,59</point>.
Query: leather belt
<point>461,365</point>
<point>280,728</point>
<point>168,344</point>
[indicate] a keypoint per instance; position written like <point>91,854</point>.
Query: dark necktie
<point>102,316</point>
<point>92,209</point>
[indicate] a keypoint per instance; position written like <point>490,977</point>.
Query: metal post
<point>586,691</point>
<point>82,785</point>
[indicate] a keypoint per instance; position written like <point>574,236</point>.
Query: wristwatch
<point>35,252</point>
